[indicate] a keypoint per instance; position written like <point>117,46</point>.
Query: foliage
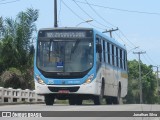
<point>148,83</point>
<point>16,45</point>
<point>12,78</point>
<point>16,79</point>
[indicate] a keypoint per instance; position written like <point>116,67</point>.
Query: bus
<point>77,64</point>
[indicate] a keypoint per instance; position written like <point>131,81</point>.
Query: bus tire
<point>72,101</point>
<point>98,100</point>
<point>109,100</point>
<point>116,100</point>
<point>49,99</point>
<point>79,101</point>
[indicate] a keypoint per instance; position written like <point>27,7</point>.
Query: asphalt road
<point>83,112</point>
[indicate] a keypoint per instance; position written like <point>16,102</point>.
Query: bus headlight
<point>39,80</point>
<point>89,79</point>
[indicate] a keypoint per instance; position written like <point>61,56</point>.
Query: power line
<point>72,11</point>
<point>89,15</point>
<point>103,20</point>
<point>147,59</point>
<point>2,0</point>
<point>59,11</point>
<point>123,40</point>
<point>123,10</point>
<point>9,2</point>
<point>99,14</point>
<point>109,23</point>
<point>127,38</point>
<point>79,16</point>
<point>150,59</point>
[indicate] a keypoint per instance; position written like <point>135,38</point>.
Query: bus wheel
<point>49,99</point>
<point>98,100</point>
<point>79,101</point>
<point>109,100</point>
<point>72,101</point>
<point>116,100</point>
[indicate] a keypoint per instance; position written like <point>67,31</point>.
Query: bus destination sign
<point>65,34</point>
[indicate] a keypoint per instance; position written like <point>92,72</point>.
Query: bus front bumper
<point>91,88</point>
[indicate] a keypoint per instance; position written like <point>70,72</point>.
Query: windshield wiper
<point>49,50</point>
<point>74,48</point>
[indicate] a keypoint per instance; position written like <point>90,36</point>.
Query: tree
<point>148,83</point>
<point>16,43</point>
<point>17,39</point>
<point>1,64</point>
<point>1,31</point>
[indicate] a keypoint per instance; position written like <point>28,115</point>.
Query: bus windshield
<point>65,55</point>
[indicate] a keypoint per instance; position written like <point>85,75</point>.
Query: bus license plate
<point>63,91</point>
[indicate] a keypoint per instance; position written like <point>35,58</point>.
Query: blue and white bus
<point>79,64</point>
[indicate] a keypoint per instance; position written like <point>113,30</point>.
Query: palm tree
<point>17,48</point>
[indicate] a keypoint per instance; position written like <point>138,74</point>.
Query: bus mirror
<point>99,48</point>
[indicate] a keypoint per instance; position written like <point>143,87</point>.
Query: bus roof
<point>112,40</point>
<point>67,28</point>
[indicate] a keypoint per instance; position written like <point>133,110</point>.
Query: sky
<point>138,21</point>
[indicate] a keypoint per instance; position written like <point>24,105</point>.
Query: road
<point>84,110</point>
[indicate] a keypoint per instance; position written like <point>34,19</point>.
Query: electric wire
<point>9,2</point>
<point>150,59</point>
<point>122,10</point>
<point>79,16</point>
<point>99,14</point>
<point>2,0</point>
<point>111,25</point>
<point>89,15</point>
<point>127,38</point>
<point>123,40</point>
<point>146,59</point>
<point>59,13</point>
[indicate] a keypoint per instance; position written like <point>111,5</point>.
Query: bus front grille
<point>56,89</point>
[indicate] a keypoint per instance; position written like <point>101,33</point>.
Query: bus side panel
<point>112,76</point>
<point>124,84</point>
<point>110,81</point>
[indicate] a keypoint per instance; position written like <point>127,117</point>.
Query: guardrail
<point>10,95</point>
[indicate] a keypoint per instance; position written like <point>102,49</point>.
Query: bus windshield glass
<point>65,55</point>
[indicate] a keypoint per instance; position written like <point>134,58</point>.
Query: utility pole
<point>157,80</point>
<point>140,79</point>
<point>110,31</point>
<point>55,13</point>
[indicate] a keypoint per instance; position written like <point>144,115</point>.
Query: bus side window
<point>108,50</point>
<point>117,57</point>
<point>113,55</point>
<point>121,63</point>
<point>98,49</point>
<point>124,59</point>
<point>101,50</point>
<point>104,51</point>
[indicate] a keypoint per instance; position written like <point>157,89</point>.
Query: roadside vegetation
<point>17,49</point>
<point>149,84</point>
